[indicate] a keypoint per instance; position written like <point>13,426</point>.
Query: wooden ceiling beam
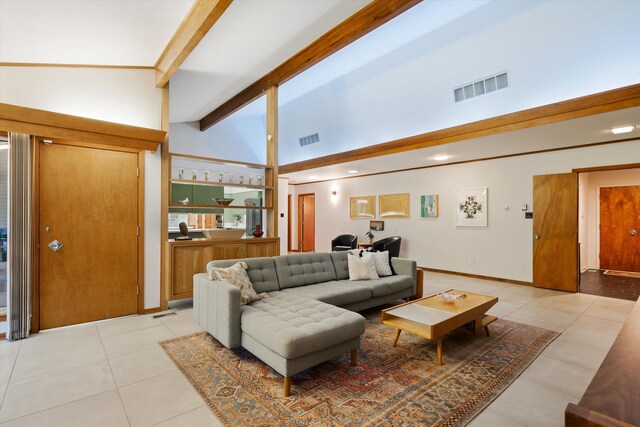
<point>603,102</point>
<point>47,124</point>
<point>195,25</point>
<point>357,25</point>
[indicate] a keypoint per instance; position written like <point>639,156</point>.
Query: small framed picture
<point>376,225</point>
<point>472,207</point>
<point>429,206</point>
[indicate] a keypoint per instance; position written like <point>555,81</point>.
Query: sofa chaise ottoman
<point>308,316</point>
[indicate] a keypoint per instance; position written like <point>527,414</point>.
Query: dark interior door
<point>619,228</point>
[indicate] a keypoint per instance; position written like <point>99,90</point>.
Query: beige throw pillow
<point>381,260</point>
<point>237,276</point>
<point>361,268</point>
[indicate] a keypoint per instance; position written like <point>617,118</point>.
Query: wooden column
<point>164,201</point>
<point>271,194</point>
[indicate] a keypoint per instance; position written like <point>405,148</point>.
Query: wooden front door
<point>307,222</point>
<point>620,228</point>
<point>89,205</point>
<point>555,231</point>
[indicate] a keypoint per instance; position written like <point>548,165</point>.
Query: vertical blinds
<point>20,259</point>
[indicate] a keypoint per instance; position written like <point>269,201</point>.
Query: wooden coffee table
<point>431,318</point>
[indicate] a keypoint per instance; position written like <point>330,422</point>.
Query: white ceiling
<point>226,62</point>
<point>250,39</point>
<point>97,32</point>
<point>568,133</point>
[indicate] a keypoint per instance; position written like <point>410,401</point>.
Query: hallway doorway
<point>306,222</point>
<point>609,232</point>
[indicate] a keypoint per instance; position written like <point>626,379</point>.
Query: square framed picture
<point>376,225</point>
<point>394,205</point>
<point>472,207</point>
<point>362,207</point>
<point>429,207</point>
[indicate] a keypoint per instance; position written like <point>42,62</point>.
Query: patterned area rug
<point>389,386</point>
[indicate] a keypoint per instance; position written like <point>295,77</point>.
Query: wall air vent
<point>480,87</point>
<point>308,140</point>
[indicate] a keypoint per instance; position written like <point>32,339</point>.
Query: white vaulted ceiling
<point>95,32</point>
<point>250,39</point>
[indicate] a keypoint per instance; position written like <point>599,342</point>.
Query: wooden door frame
<point>598,214</point>
<point>35,300</point>
<point>300,217</point>
<point>599,169</point>
<point>288,222</point>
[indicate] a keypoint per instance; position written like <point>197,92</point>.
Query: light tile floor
<point>114,373</point>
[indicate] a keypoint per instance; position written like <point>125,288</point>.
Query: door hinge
<point>137,289</point>
<point>138,172</point>
<point>138,231</point>
<point>47,141</point>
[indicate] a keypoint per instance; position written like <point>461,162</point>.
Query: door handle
<point>55,246</point>
<point>536,236</point>
<point>633,232</point>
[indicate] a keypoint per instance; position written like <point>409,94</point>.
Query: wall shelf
<point>218,207</point>
<point>222,161</point>
<point>220,184</point>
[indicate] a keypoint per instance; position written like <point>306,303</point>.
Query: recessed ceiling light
<point>440,157</point>
<point>352,171</point>
<point>313,176</point>
<point>623,129</point>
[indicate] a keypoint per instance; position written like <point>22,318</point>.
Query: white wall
<point>235,138</point>
<point>283,192</point>
<point>503,249</point>
<point>546,46</point>
<point>127,96</point>
<point>594,181</point>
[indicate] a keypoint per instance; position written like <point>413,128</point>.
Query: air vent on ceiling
<point>480,87</point>
<point>307,140</point>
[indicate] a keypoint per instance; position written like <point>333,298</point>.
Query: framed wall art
<point>429,207</point>
<point>362,207</point>
<point>471,207</point>
<point>376,225</point>
<point>394,205</point>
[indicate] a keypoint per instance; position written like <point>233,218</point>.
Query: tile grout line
<point>114,378</point>
<point>13,366</point>
<point>53,407</point>
<point>179,415</point>
<point>116,383</point>
<point>61,404</point>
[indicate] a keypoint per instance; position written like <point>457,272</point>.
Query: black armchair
<point>344,242</point>
<point>391,244</point>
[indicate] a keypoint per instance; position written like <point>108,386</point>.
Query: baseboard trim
<point>477,276</point>
<point>152,310</point>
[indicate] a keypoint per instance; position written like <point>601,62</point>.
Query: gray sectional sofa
<point>309,315</point>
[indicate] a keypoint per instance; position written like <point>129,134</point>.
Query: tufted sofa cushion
<point>332,292</point>
<point>304,269</point>
<point>261,272</point>
<point>294,326</point>
<point>340,264</point>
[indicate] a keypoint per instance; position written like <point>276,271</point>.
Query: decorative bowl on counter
<point>224,234</point>
<point>222,201</point>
